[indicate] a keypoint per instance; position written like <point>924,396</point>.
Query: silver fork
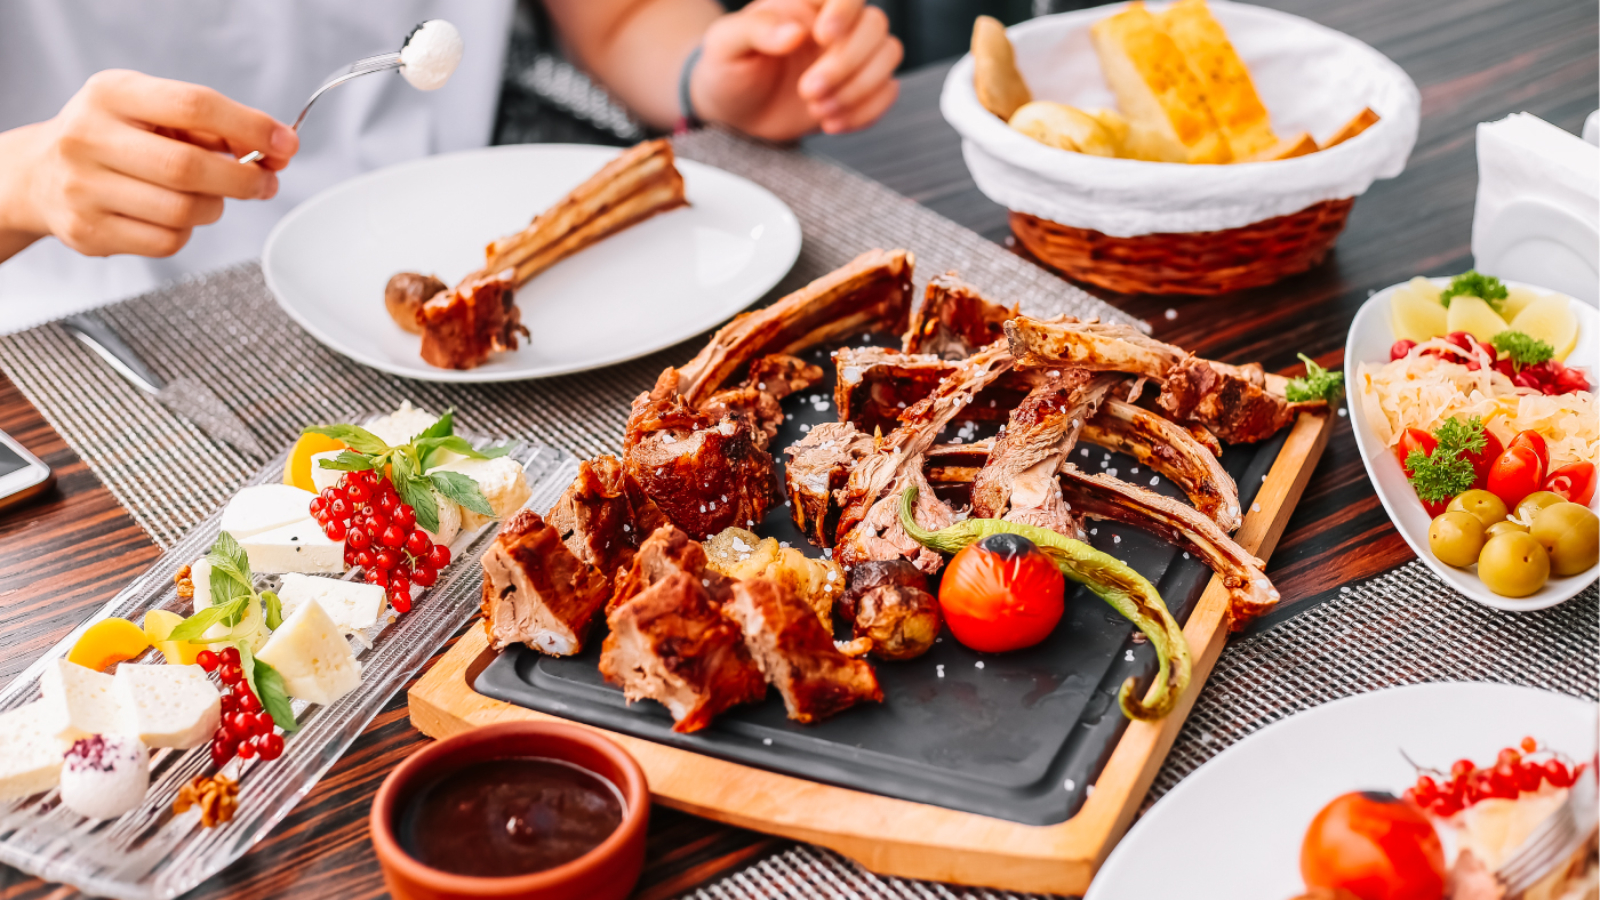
<point>383,62</point>
<point>1556,838</point>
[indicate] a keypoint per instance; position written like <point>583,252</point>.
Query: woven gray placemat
<point>224,328</point>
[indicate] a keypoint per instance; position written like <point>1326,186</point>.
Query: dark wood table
<point>1475,60</point>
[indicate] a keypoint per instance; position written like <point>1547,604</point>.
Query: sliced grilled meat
<point>817,468</point>
<point>796,653</point>
<point>536,591</point>
<point>954,320</point>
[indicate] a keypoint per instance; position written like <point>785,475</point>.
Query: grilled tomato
<point>1001,593</point>
<point>1376,846</point>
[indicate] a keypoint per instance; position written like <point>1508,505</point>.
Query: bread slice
<point>994,73</point>
<point>1363,120</point>
<point>1156,90</point>
<point>1229,90</point>
<point>1292,146</point>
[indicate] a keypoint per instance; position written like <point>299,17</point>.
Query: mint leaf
<point>247,664</point>
<point>444,427</point>
<point>359,439</point>
<point>348,462</point>
<point>433,449</point>
<point>194,627</point>
<point>462,490</point>
<point>274,696</point>
<point>274,609</point>
<point>416,493</point>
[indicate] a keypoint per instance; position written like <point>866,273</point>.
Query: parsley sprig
<point>1447,471</point>
<point>233,593</point>
<point>409,465</point>
<point>1523,349</point>
<point>1317,384</point>
<point>1473,284</point>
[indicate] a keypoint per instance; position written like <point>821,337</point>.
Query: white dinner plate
<point>1232,829</point>
<point>1371,336</point>
<point>638,291</point>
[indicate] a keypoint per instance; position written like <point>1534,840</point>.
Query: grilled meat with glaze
<point>462,327</point>
<point>796,653</point>
<point>954,320</point>
<point>536,591</point>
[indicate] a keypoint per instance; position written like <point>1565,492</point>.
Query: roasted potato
<point>404,295</point>
<point>737,553</point>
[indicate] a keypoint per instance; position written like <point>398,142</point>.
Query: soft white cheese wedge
<point>400,426</point>
<point>30,755</point>
<point>312,655</point>
<point>324,478</point>
<point>449,520</point>
<point>353,606</point>
<point>264,507</point>
<point>168,706</point>
<point>80,702</point>
<point>296,547</point>
<point>502,481</point>
<point>200,574</point>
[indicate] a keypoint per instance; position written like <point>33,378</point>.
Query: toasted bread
<point>1161,96</point>
<point>1065,127</point>
<point>1229,90</point>
<point>1363,120</point>
<point>1288,148</point>
<point>1000,86</point>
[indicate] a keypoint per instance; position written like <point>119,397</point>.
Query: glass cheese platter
<point>152,853</point>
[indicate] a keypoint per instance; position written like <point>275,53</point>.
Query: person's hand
<point>132,164</point>
<point>778,69</point>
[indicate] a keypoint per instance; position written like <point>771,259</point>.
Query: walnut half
<point>217,798</point>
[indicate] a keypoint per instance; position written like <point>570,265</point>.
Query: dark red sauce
<point>509,817</point>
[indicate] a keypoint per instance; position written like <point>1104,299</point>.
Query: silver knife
<point>183,396</point>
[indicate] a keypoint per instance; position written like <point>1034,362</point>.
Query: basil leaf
<point>359,439</point>
<point>462,490</point>
<point>274,697</point>
<point>194,627</point>
<point>432,449</point>
<point>347,461</point>
<point>444,427</point>
<point>416,493</point>
<point>274,609</point>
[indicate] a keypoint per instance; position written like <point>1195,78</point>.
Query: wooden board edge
<point>897,837</point>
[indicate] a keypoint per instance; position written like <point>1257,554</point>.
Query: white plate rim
<point>1373,314</point>
<point>785,219</point>
<point>1416,694</point>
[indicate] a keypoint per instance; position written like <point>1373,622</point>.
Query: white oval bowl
<point>1371,336</point>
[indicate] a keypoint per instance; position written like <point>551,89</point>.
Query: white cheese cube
<point>265,507</point>
<point>168,706</point>
<point>502,482</point>
<point>353,606</point>
<point>30,754</point>
<point>400,426</point>
<point>297,547</point>
<point>81,702</point>
<point>200,574</point>
<point>324,478</point>
<point>312,655</point>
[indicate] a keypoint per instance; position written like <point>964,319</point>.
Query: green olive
<point>1487,507</point>
<point>1514,564</point>
<point>1455,537</point>
<point>1503,527</point>
<point>1535,503</point>
<point>1572,535</point>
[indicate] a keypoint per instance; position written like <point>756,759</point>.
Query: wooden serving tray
<point>898,837</point>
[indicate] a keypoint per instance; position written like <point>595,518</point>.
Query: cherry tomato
<point>1515,474</point>
<point>1400,348</point>
<point>1376,846</point>
<point>1483,460</point>
<point>1534,441</point>
<point>1461,339</point>
<point>1001,593</point>
<point>1574,482</point>
<point>1414,439</point>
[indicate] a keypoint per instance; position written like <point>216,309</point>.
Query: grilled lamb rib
<point>597,519</point>
<point>755,401</point>
<point>818,466</point>
<point>796,653</point>
<point>667,550</point>
<point>954,320</point>
<point>671,643</point>
<point>1233,402</point>
<point>876,385</point>
<point>869,521</point>
<point>461,327</point>
<point>870,293</point>
<point>536,591</point>
<point>704,475</point>
<point>1018,482</point>
<point>1171,450</point>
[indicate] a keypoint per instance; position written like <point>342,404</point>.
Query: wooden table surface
<point>1474,60</point>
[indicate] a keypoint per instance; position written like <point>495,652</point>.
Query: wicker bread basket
<point>1142,227</point>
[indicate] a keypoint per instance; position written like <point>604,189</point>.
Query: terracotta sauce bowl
<point>608,872</point>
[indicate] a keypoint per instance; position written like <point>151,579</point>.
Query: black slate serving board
<point>1018,736</point>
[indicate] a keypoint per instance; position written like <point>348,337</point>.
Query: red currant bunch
<point>1514,772</point>
<point>247,730</point>
<point>380,535</point>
